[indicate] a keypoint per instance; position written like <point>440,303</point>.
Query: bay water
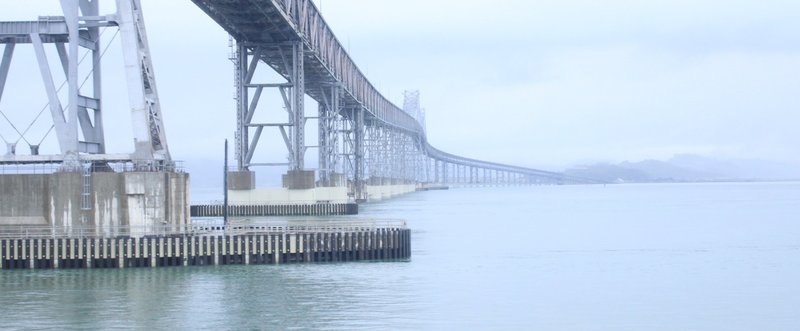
<point>711,256</point>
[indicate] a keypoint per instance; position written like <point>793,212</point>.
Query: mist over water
<point>618,257</point>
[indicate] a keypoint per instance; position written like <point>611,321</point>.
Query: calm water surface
<point>621,257</point>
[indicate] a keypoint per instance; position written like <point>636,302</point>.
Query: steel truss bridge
<point>363,138</point>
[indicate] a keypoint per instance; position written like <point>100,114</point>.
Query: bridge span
<point>363,137</point>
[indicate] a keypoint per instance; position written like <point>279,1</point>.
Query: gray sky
<point>536,83</point>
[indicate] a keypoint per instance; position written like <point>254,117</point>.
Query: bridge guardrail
<point>200,228</point>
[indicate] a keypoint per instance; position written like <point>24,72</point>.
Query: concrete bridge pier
<point>99,201</point>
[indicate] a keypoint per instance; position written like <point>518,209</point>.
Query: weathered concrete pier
<point>107,195</point>
<point>206,244</point>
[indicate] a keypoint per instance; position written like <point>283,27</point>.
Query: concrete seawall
<point>253,246</point>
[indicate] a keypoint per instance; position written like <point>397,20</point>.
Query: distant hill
<point>688,168</point>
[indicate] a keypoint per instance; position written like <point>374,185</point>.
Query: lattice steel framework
<point>248,95</point>
<point>79,29</point>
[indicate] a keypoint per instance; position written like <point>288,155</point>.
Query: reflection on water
<point>245,297</point>
<point>622,257</point>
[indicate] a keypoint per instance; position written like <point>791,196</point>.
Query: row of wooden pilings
<point>190,250</point>
<point>311,209</point>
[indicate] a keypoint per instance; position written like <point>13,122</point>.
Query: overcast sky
<point>537,83</point>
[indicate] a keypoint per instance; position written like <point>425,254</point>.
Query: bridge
<point>364,140</point>
<point>363,137</point>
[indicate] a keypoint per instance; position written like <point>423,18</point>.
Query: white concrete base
<point>314,195</point>
<point>286,196</point>
<point>380,192</point>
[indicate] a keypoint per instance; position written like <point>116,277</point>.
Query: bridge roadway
<point>262,27</point>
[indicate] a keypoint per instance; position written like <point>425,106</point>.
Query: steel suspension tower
<point>75,32</point>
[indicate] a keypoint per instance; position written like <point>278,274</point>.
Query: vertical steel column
<point>5,64</point>
<point>435,171</point>
<point>149,136</point>
<point>242,140</point>
<point>346,126</point>
<point>298,98</point>
<point>394,157</point>
<point>71,14</point>
<point>370,145</point>
<point>324,143</point>
<point>328,136</point>
<point>93,132</point>
<point>427,164</point>
<point>358,177</point>
<point>473,175</point>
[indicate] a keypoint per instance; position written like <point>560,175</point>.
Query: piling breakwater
<point>207,244</point>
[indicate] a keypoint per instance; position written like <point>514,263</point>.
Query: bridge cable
<point>13,127</point>
<point>1,135</point>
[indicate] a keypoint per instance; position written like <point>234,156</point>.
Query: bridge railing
<point>88,231</point>
<point>312,28</point>
<point>256,226</point>
<point>199,228</point>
